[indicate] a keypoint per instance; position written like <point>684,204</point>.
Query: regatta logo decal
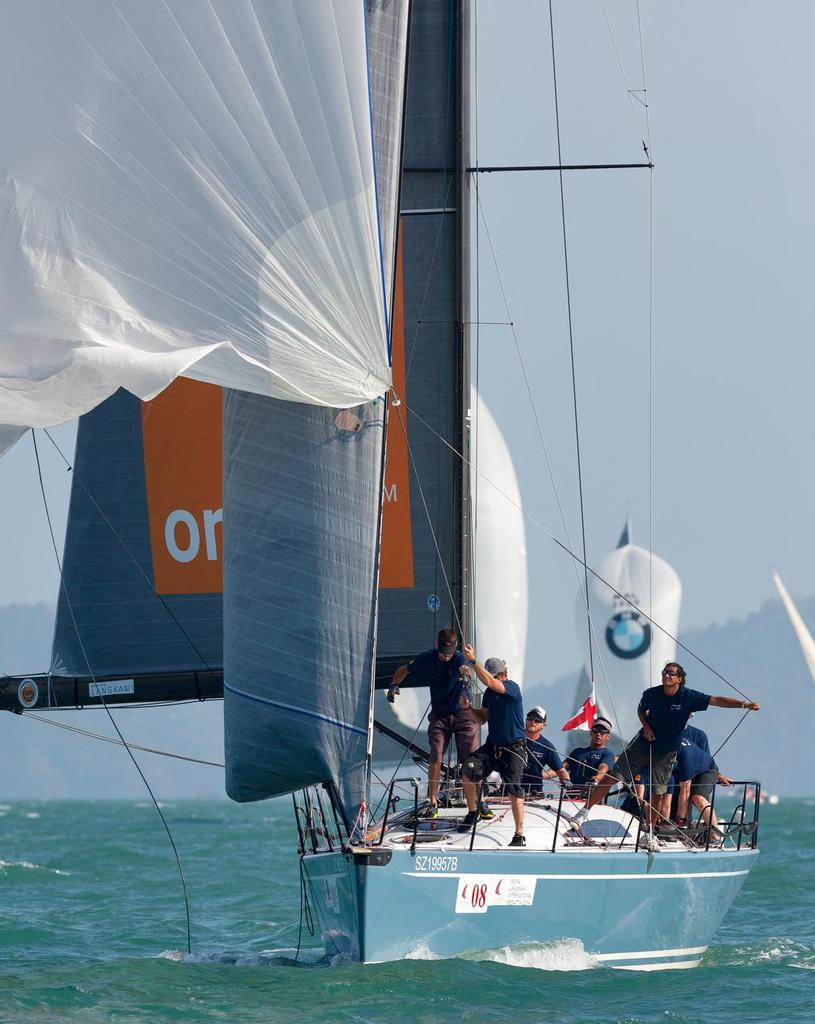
<point>476,893</point>
<point>28,693</point>
<point>181,429</point>
<point>628,634</point>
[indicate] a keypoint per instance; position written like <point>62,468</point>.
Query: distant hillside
<point>51,763</point>
<point>25,637</point>
<point>760,655</point>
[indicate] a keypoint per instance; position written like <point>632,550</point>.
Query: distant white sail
<point>187,189</point>
<point>631,650</point>
<point>500,554</point>
<point>501,585</point>
<point>798,624</point>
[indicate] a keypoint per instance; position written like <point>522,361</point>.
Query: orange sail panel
<point>396,565</point>
<point>182,464</point>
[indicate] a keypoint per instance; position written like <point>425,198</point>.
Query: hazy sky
<point>730,87</point>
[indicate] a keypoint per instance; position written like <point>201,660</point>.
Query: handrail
<point>739,833</point>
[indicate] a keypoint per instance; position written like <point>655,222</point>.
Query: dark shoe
<point>518,840</point>
<point>484,812</point>
<point>468,821</point>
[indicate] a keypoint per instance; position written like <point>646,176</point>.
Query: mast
<point>463,29</point>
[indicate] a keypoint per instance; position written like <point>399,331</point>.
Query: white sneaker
<point>649,842</point>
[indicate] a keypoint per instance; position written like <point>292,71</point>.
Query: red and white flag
<point>584,719</point>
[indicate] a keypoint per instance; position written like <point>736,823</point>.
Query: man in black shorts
<point>444,670</point>
<point>664,712</point>
<point>505,749</point>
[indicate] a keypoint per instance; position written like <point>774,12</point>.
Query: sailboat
<point>631,588</point>
<point>269,203</point>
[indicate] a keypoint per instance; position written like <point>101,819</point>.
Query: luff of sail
<point>630,650</point>
<point>187,190</point>
<point>802,633</point>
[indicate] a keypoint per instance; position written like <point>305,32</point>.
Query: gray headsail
<point>302,505</point>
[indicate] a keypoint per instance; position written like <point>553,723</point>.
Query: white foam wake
<point>563,955</point>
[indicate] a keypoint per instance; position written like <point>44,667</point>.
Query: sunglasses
<point>535,719</point>
<point>600,729</point>
<point>671,673</point>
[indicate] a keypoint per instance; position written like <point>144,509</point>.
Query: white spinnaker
<point>798,624</point>
<point>632,652</point>
<point>187,188</point>
<point>501,583</point>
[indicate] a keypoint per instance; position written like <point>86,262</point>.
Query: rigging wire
<point>119,742</point>
<point>127,550</point>
<point>541,437</point>
<point>633,94</point>
<point>571,340</point>
<point>433,532</point>
<point>104,702</point>
<point>576,558</point>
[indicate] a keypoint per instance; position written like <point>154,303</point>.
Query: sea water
<point>92,928</point>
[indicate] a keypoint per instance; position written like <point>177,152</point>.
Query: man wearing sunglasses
<point>543,761</point>
<point>588,765</point>
<point>664,712</point>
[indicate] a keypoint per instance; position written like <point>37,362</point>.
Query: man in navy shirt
<point>588,765</point>
<point>444,670</point>
<point>696,736</point>
<point>664,712</point>
<point>505,749</point>
<point>696,774</point>
<point>541,755</point>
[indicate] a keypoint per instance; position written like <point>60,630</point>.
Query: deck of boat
<point>547,827</point>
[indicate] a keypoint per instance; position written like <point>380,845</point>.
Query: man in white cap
<point>588,765</point>
<point>542,760</point>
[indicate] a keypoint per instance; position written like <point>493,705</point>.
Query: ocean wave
<point>285,957</point>
<point>26,865</point>
<point>775,950</point>
<point>564,955</point>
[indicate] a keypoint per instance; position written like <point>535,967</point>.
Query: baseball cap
<point>448,648</point>
<point>495,666</point>
<point>537,712</point>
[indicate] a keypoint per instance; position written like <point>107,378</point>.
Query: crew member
<point>444,670</point>
<point>664,712</point>
<point>505,749</point>
<point>588,765</point>
<point>542,760</point>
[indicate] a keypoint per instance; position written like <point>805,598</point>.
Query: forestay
<point>186,188</point>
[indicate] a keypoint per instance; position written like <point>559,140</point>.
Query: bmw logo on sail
<point>628,634</point>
